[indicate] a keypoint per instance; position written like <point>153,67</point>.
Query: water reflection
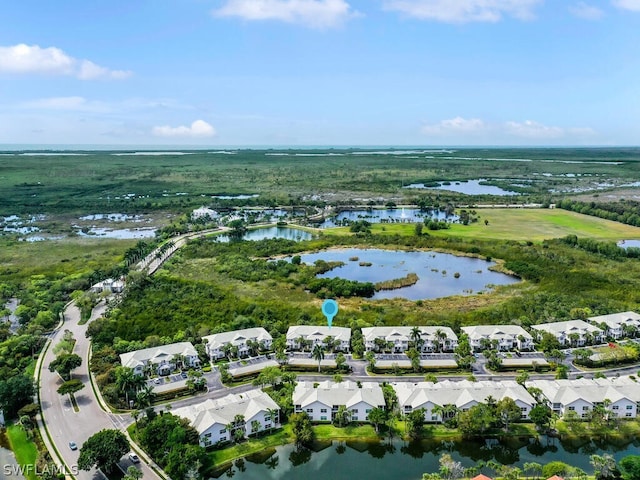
<point>401,460</point>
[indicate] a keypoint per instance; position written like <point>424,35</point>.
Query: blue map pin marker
<point>330,310</point>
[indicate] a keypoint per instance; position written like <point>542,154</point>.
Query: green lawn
<point>24,449</point>
<point>521,224</point>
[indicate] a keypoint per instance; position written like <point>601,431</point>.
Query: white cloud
<point>533,130</point>
<point>633,5</point>
<point>24,58</point>
<point>198,129</point>
<point>586,11</point>
<point>463,11</point>
<point>313,13</point>
<point>454,126</point>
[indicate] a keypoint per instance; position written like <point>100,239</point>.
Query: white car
<point>134,458</point>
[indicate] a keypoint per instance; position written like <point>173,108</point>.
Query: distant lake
<point>435,271</point>
<point>470,187</point>
<point>286,233</point>
<point>399,460</point>
<point>629,244</point>
<point>408,215</point>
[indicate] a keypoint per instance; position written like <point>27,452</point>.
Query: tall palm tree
<point>416,338</point>
<point>274,415</point>
<point>441,336</point>
<point>318,354</point>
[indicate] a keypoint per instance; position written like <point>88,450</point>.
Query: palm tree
<point>273,414</point>
<point>441,337</point>
<point>255,426</point>
<point>342,417</point>
<point>318,354</point>
<point>145,396</point>
<point>126,380</point>
<point>574,338</point>
<point>416,338</point>
<point>533,469</point>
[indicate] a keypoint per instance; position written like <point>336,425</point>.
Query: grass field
<point>69,256</point>
<point>25,451</point>
<point>520,224</point>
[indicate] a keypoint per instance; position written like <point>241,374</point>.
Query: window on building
<point>628,414</point>
<point>223,431</point>
<point>629,407</point>
<point>355,410</point>
<point>323,410</point>
<point>571,408</point>
<point>585,408</point>
<point>309,410</point>
<point>615,407</point>
<point>323,418</point>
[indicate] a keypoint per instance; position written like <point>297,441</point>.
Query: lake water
<point>399,460</point>
<point>408,215</point>
<point>629,244</point>
<point>470,187</point>
<point>286,233</point>
<point>435,271</point>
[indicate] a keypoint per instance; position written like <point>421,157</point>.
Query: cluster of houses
<point>396,339</point>
<point>322,401</point>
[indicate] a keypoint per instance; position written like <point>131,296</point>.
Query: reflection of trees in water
<point>272,462</point>
<point>240,465</point>
<point>377,450</point>
<point>341,448</point>
<point>538,448</point>
<point>299,456</point>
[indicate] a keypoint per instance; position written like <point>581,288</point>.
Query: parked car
<point>157,381</point>
<point>184,375</point>
<point>134,458</point>
<point>73,446</point>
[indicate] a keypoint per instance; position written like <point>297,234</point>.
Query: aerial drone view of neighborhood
<point>203,276</point>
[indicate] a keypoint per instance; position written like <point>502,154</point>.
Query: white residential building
<point>317,335</point>
<point>212,418</point>
<point>618,324</point>
<point>571,333</point>
<point>215,344</point>
<point>162,359</point>
<point>321,400</point>
<point>508,337</point>
<point>621,393</point>
<point>398,338</point>
<point>462,395</point>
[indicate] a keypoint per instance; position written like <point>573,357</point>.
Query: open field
<point>521,224</point>
<point>20,260</point>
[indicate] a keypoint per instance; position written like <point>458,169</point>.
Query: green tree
<point>562,372</point>
<point>414,422</point>
<point>371,358</point>
<point>318,354</point>
<point>301,429</point>
<point>532,469</point>
<point>463,353</point>
<point>604,466</point>
<point>342,417</point>
<point>508,411</point>
<point>341,361</point>
<point>630,467</point>
<point>377,416</point>
<point>132,473</point>
<point>64,364</point>
<point>476,421</point>
<point>555,468</point>
<point>15,393</point>
<point>70,387</point>
<point>103,450</point>
<point>540,415</point>
<point>449,468</point>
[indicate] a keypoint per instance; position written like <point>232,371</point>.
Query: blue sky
<point>320,72</point>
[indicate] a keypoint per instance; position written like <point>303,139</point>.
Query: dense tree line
<point>623,211</point>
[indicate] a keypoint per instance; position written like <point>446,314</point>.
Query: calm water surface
<point>470,187</point>
<point>400,460</point>
<point>435,271</point>
<point>272,232</point>
<point>401,215</point>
